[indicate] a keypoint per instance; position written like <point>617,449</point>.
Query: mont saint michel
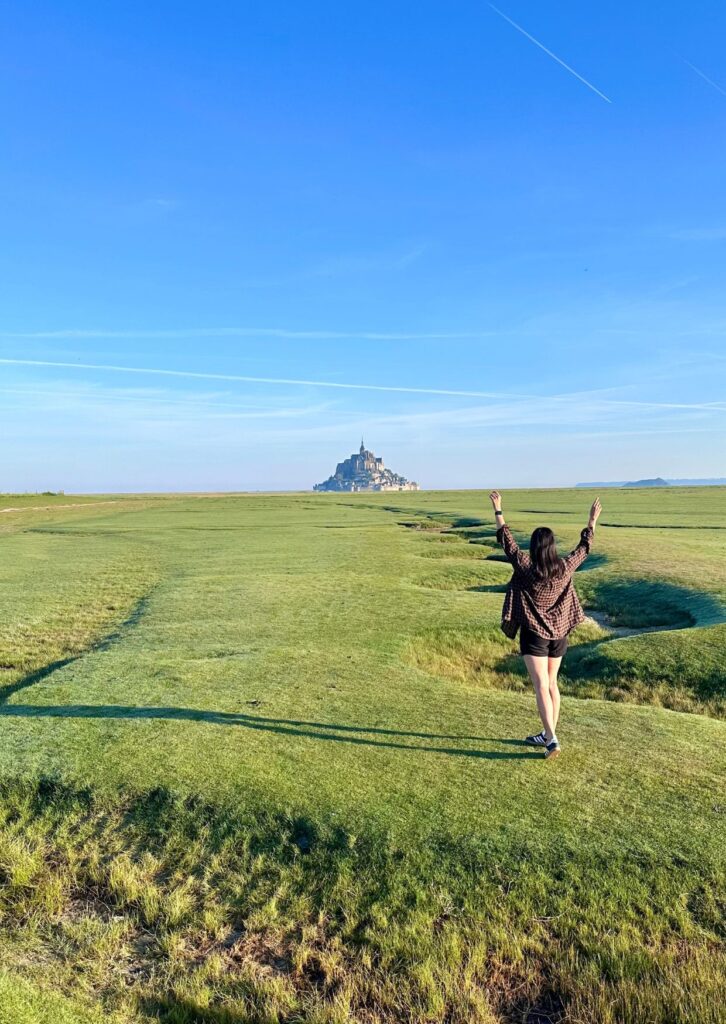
<point>364,472</point>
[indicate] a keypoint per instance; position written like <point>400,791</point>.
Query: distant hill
<point>658,481</point>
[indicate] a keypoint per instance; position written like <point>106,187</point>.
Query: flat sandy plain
<point>261,760</point>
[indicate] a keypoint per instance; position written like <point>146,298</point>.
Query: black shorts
<point>540,646</point>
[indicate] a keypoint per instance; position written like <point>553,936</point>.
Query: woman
<point>541,602</point>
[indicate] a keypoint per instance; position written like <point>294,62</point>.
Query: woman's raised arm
<point>595,511</point>
<point>496,500</point>
<point>504,534</point>
<point>575,559</point>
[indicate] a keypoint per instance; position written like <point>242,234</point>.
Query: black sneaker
<point>553,749</point>
<point>538,740</point>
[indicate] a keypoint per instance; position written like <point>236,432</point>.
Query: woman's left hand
<point>496,499</point>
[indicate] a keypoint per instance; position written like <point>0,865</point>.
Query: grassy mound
<point>683,671</point>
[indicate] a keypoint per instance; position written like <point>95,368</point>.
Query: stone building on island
<point>364,472</point>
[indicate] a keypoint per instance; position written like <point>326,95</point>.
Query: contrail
<point>550,53</point>
<point>238,378</point>
<point>398,389</point>
<point>704,76</point>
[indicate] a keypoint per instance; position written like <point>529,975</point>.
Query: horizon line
<point>694,482</point>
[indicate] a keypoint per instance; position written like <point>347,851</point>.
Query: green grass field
<point>260,761</point>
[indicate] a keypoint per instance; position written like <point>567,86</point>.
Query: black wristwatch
<point>498,512</point>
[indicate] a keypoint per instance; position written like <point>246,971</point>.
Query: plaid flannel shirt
<point>550,608</point>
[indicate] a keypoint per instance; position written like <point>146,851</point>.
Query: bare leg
<point>538,669</point>
<point>554,667</point>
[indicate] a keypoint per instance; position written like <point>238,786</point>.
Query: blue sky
<point>522,261</point>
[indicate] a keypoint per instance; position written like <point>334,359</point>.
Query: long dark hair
<point>543,553</point>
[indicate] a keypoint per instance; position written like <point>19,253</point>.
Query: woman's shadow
<point>360,735</point>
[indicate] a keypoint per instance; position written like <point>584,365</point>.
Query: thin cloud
<point>152,400</point>
<point>704,76</point>
<point>550,54</point>
<point>397,389</point>
<point>250,332</point>
<point>441,430</point>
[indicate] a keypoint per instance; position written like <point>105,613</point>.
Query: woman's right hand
<point>496,499</point>
<point>595,511</point>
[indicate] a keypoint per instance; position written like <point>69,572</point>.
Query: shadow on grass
<point>662,526</point>
<point>283,726</point>
<point>6,692</point>
<point>642,603</point>
<point>132,620</point>
<point>594,560</point>
<point>548,512</point>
